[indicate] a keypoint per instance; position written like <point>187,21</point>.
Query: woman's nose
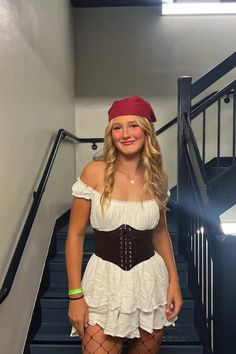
<point>126,132</point>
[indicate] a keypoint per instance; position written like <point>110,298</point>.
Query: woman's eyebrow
<point>132,121</point>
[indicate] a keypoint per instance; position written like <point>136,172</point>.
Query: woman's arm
<point>163,245</point>
<point>78,310</point>
<point>79,217</point>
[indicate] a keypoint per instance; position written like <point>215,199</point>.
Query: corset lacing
<point>124,246</point>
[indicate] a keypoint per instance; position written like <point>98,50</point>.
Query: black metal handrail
<point>193,108</point>
<point>211,100</point>
<point>210,253</point>
<point>201,182</point>
<point>196,160</point>
<point>37,196</point>
<point>200,216</point>
<point>213,75</point>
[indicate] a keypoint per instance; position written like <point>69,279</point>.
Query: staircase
<point>222,192</point>
<point>204,192</point>
<point>208,266</point>
<point>50,328</point>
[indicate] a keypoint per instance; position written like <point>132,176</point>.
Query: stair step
<point>171,219</point>
<point>49,292</point>
<point>211,166</point>
<point>60,258</point>
<point>55,311</point>
<point>181,349</point>
<point>57,271</point>
<point>225,161</point>
<point>177,334</point>
<point>60,241</point>
<point>89,234</point>
<point>76,349</point>
<point>89,244</point>
<point>213,171</point>
<point>63,231</point>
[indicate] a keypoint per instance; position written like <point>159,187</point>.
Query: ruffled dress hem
<point>122,302</point>
<point>132,332</point>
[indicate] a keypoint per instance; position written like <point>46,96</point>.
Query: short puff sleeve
<point>81,190</point>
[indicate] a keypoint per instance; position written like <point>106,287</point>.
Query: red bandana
<point>134,105</point>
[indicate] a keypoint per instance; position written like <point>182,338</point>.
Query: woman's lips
<point>128,142</point>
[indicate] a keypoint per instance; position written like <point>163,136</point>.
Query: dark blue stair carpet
<point>55,340</point>
<point>177,334</point>
<point>76,349</point>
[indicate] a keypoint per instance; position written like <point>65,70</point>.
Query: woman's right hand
<point>78,315</point>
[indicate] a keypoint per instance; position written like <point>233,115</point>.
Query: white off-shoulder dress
<point>122,301</point>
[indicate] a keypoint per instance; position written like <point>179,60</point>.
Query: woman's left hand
<point>174,300</point>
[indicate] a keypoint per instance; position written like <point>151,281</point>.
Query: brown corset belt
<point>124,246</point>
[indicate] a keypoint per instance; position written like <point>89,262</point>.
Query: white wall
<point>135,51</point>
<point>36,99</point>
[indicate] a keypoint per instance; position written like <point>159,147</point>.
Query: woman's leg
<point>96,342</point>
<point>147,343</point>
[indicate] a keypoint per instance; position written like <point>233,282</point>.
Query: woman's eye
<point>134,125</point>
<point>116,128</point>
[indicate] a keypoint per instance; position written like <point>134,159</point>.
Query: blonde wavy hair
<point>155,178</point>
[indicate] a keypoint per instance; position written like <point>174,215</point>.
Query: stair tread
<point>61,333</point>
<point>64,229</point>
<point>63,302</point>
<point>60,266</point>
<point>89,233</point>
<point>60,258</point>
<point>76,348</point>
<point>225,161</point>
<point>77,345</point>
<point>61,292</point>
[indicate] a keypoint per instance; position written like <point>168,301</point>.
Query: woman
<point>130,289</point>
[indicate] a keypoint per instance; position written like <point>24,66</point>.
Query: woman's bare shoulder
<point>93,172</point>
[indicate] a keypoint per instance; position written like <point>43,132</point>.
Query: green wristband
<point>76,291</point>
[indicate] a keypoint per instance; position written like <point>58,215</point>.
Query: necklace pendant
<point>132,181</point>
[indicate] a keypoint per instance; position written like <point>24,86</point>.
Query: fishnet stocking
<point>96,342</point>
<point>147,343</point>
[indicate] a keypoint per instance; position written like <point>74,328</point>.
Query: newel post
<point>184,109</point>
